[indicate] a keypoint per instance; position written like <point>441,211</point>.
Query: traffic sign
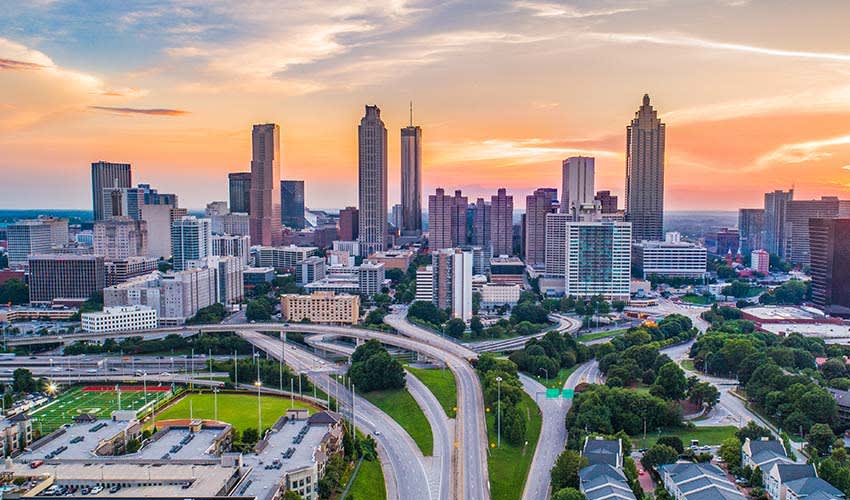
<point>552,393</point>
<point>568,393</point>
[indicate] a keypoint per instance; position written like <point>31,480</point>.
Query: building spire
<point>646,99</point>
<point>411,113</point>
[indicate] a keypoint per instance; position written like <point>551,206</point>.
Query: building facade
<point>598,259</point>
<point>25,238</point>
<point>118,319</point>
<point>265,185</point>
<point>107,175</point>
<point>321,307</point>
<point>797,215</point>
<point>372,181</point>
<point>239,189</point>
<point>774,220</point>
<point>578,174</point>
<point>537,206</point>
<point>232,245</point>
<point>446,220</point>
<point>760,261</point>
<point>501,222</point>
<point>283,258</point>
<point>608,203</point>
<point>292,204</point>
<point>830,264</point>
<point>120,238</point>
<point>645,142</point>
<point>669,258</point>
<point>65,277</point>
<point>452,281</point>
<point>411,180</point>
<point>309,270</point>
<point>191,240</point>
<point>751,229</point>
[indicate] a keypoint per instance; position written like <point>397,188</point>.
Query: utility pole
<point>499,415</point>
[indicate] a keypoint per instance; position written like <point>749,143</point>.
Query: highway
<point>564,324</point>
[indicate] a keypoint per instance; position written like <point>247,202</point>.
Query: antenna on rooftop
<point>411,113</point>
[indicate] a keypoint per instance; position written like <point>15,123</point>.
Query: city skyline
<point>186,86</point>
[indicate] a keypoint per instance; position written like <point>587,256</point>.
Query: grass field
<point>98,402</point>
<point>557,382</point>
<point>442,384</point>
<point>697,299</point>
<point>369,483</point>
<point>688,364</point>
<point>401,407</point>
<point>508,465</point>
<point>239,410</point>
<point>600,335</point>
<point>705,435</point>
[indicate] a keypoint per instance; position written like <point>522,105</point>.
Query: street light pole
<point>499,415</point>
<point>547,375</point>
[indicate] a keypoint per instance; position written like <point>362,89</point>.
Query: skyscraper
<point>797,215</point>
<point>607,201</point>
<point>411,179</point>
<point>446,220</point>
<point>452,281</point>
<point>598,259</point>
<point>239,184</point>
<point>120,238</point>
<point>774,220</point>
<point>481,223</point>
<point>501,222</point>
<point>349,223</point>
<point>265,185</point>
<point>543,201</point>
<point>751,229</point>
<point>107,175</point>
<point>645,174</point>
<point>27,237</point>
<point>372,181</point>
<point>191,240</point>
<point>830,264</point>
<point>292,204</point>
<point>578,184</point>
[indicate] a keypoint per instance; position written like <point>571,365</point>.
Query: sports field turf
<point>98,400</point>
<point>239,410</point>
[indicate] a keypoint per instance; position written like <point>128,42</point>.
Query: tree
<point>23,381</point>
<point>250,435</point>
<point>372,368</point>
<point>568,494</point>
<point>565,471</point>
<point>14,291</point>
<point>291,495</point>
<point>821,437</point>
<point>703,393</point>
<point>674,442</point>
<point>455,328</point>
<point>426,311</point>
<point>659,454</point>
<point>670,384</point>
<point>753,431</point>
<point>730,452</point>
<point>259,310</point>
<point>476,326</point>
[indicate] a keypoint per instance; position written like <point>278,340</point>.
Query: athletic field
<point>97,400</point>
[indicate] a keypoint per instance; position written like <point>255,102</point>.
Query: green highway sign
<point>568,393</point>
<point>552,393</point>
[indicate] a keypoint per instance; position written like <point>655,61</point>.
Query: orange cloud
<point>141,111</point>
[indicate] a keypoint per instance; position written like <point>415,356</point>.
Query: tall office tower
<point>481,223</point>
<point>598,259</point>
<point>555,245</point>
<point>446,220</point>
<point>645,174</point>
<point>349,224</point>
<point>120,238</point>
<point>578,184</point>
<point>65,277</point>
<point>27,237</point>
<point>797,215</point>
<point>411,179</point>
<point>774,220</point>
<point>372,181</point>
<point>830,264</point>
<point>751,229</point>
<point>396,217</point>
<point>537,205</point>
<point>232,246</point>
<point>107,175</point>
<point>191,240</point>
<point>607,201</point>
<point>502,222</point>
<point>58,229</point>
<point>265,185</point>
<point>239,186</point>
<point>158,219</point>
<point>128,202</point>
<point>292,204</point>
<point>452,281</point>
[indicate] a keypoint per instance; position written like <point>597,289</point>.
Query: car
<point>97,489</point>
<point>114,489</point>
<point>706,448</point>
<point>641,472</point>
<point>377,433</point>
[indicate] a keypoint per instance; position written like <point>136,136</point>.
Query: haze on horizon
<point>755,94</point>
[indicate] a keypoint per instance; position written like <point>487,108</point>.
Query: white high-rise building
<point>597,259</point>
<point>556,244</point>
<point>191,240</point>
<point>452,281</point>
<point>236,246</point>
<point>578,185</point>
<point>671,257</point>
<point>27,237</point>
<point>372,182</point>
<point>425,284</point>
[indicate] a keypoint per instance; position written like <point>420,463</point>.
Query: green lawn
<point>705,435</point>
<point>441,382</point>
<point>369,483</point>
<point>688,364</point>
<point>557,382</point>
<point>697,299</point>
<point>508,466</point>
<point>400,405</point>
<point>599,335</point>
<point>239,410</point>
<point>98,402</point>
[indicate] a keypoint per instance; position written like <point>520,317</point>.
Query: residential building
<point>25,238</point>
<point>282,258</point>
<point>65,278</point>
<point>158,219</point>
<point>309,270</point>
<point>608,203</point>
<point>507,270</point>
<point>698,481</point>
<point>671,258</point>
<point>780,474</point>
<point>604,482</point>
<point>598,259</point>
<point>339,258</point>
<point>797,215</point>
<point>58,229</point>
<point>339,283</point>
<point>774,220</point>
<point>645,143</point>
<point>16,433</point>
<point>395,219</point>
<point>724,241</point>
<point>481,223</point>
<point>760,261</point>
<point>501,222</point>
<point>372,181</point>
<point>446,220</point>
<point>810,488</point>
<point>425,284</point>
<point>128,202</point>
<point>107,175</point>
<point>411,179</point>
<point>191,240</point>
<point>121,270</point>
<point>321,307</point>
<point>239,188</point>
<point>231,223</point>
<point>119,319</point>
<point>751,229</point>
<point>120,238</point>
<point>230,280</point>
<point>555,263</point>
<point>578,184</point>
<point>265,185</point>
<point>763,453</point>
<point>184,293</point>
<point>498,294</point>
<point>452,281</point>
<point>292,204</point>
<point>349,224</point>
<point>830,264</point>
<point>393,259</point>
<point>603,451</point>
<point>537,205</point>
<point>371,276</point>
<point>232,245</point>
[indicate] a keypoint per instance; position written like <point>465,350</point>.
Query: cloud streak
<point>547,9</point>
<point>141,111</point>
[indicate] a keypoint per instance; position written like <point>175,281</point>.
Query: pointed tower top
<point>646,99</point>
<point>411,113</point>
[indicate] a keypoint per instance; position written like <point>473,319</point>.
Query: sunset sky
<point>755,94</point>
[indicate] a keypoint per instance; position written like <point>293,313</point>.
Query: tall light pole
<point>499,414</point>
<point>215,403</point>
<point>259,408</point>
<point>547,375</point>
<point>280,363</point>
